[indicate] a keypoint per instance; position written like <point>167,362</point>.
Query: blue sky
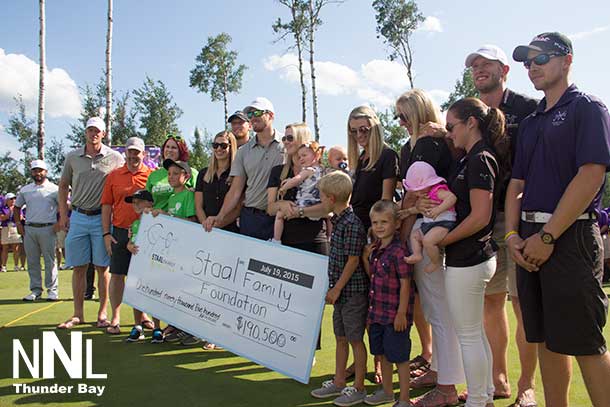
<point>161,39</point>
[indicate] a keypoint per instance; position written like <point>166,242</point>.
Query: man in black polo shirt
<point>560,165</point>
<point>489,68</point>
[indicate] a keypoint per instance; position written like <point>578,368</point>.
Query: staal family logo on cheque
<point>72,363</point>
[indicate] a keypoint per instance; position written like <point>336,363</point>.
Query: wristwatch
<point>546,237</point>
<point>301,212</point>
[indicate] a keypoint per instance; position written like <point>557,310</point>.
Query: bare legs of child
<point>278,227</point>
<point>428,242</point>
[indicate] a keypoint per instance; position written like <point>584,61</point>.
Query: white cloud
<point>19,75</point>
<point>431,24</point>
<point>438,95</point>
<point>386,74</point>
<point>584,34</point>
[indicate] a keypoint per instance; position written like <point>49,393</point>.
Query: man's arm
<point>62,203</point>
<point>350,267</point>
<point>512,213</point>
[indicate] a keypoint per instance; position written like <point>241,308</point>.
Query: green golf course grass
<point>171,374</point>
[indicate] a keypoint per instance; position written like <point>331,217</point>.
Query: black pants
<point>255,223</point>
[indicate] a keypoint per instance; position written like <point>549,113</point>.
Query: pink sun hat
<point>421,175</point>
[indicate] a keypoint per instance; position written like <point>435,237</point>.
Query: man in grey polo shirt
<point>39,236</point>
<point>250,170</point>
<point>85,170</point>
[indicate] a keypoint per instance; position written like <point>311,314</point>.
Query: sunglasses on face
<point>289,138</point>
<point>365,131</point>
<point>256,113</point>
<point>400,116</point>
<point>177,138</point>
<point>222,146</point>
<point>540,59</point>
<point>450,126</point>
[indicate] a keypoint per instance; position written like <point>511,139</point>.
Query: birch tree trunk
<point>109,75</point>
<point>314,95</point>
<point>43,67</point>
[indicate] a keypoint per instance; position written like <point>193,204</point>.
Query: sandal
<point>426,380</point>
<point>113,330</point>
<point>463,396</point>
<point>211,346</point>
<point>519,402</point>
<point>102,323</point>
<point>419,372</point>
<point>435,398</point>
<point>69,324</point>
<point>148,324</point>
<point>418,362</point>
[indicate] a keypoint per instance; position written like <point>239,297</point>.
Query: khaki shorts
<point>61,239</point>
<point>504,279</point>
<point>10,235</point>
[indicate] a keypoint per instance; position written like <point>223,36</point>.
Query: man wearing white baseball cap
<point>38,234</point>
<point>85,170</point>
<point>250,171</point>
<point>489,68</point>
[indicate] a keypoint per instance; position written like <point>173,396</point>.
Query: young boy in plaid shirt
<point>391,302</point>
<point>348,289</point>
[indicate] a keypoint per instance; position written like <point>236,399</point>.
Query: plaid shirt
<point>387,269</point>
<point>348,239</point>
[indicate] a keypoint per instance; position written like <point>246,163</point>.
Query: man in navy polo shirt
<point>489,69</point>
<point>560,165</point>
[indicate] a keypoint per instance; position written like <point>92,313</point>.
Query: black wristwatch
<point>546,237</point>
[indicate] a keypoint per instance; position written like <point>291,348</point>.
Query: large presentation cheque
<point>258,300</point>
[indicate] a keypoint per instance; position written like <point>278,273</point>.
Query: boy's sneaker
<point>176,336</point>
<point>31,297</point>
<point>328,389</point>
<point>157,336</point>
<point>136,334</point>
<point>190,340</point>
<point>3,269</point>
<point>379,397</point>
<point>350,396</point>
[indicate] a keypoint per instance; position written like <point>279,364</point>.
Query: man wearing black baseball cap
<point>560,166</point>
<point>240,127</point>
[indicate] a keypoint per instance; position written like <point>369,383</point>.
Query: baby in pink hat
<point>421,178</point>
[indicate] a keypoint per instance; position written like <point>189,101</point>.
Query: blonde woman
<point>213,182</point>
<point>375,164</point>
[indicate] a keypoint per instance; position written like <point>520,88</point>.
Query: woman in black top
<point>470,249</point>
<point>375,164</point>
<point>213,182</point>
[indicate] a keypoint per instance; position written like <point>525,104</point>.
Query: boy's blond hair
<point>337,184</point>
<point>383,206</point>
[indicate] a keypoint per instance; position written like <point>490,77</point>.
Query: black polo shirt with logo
<point>214,193</point>
<point>478,169</point>
<point>434,151</point>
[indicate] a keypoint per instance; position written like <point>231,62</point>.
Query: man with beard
<point>250,171</point>
<point>85,170</point>
<point>240,127</point>
<point>39,236</point>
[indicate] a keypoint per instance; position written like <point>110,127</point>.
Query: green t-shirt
<point>135,226</point>
<point>182,204</point>
<point>160,189</point>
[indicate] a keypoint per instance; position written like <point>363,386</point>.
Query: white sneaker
<point>22,268</point>
<point>16,268</point>
<point>31,297</point>
<point>52,296</point>
<point>3,269</point>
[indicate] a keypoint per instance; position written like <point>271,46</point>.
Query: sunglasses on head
<point>222,146</point>
<point>289,138</point>
<point>255,113</point>
<point>365,131</point>
<point>177,138</point>
<point>540,59</point>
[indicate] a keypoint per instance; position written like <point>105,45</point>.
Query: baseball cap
<point>38,164</point>
<point>491,52</point>
<point>168,162</point>
<point>260,103</point>
<point>238,115</point>
<point>96,122</point>
<point>141,194</point>
<point>134,143</point>
<point>553,42</point>
<point>10,195</point>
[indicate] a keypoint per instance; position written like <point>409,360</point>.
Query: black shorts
<point>384,340</point>
<point>427,226</point>
<point>563,304</point>
<point>256,223</point>
<point>119,261</point>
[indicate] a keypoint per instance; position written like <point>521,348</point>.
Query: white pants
<point>446,355</point>
<point>465,287</point>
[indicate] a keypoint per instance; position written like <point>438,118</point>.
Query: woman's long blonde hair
<point>376,143</point>
<point>213,167</point>
<point>302,135</point>
<point>419,108</point>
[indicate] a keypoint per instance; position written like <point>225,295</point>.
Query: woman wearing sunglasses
<point>174,148</point>
<point>376,164</point>
<point>421,117</point>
